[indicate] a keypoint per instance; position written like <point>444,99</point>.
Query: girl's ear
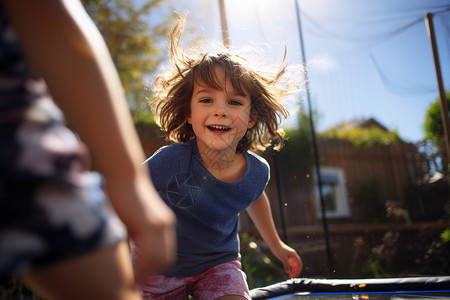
<point>252,119</point>
<point>188,116</point>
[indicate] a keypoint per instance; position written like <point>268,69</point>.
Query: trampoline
<point>405,288</point>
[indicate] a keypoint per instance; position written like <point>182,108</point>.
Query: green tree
<point>134,44</point>
<point>362,136</point>
<point>296,158</point>
<point>434,130</point>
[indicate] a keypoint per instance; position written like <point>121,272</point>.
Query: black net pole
<point>315,148</point>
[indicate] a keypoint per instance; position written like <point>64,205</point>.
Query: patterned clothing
<point>51,206</point>
<point>222,280</point>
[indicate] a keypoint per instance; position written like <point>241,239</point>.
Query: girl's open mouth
<point>218,128</point>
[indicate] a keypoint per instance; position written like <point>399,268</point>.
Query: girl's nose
<point>220,110</point>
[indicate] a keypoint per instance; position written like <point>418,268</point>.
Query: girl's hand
<point>295,266</point>
<point>260,213</point>
<point>291,260</point>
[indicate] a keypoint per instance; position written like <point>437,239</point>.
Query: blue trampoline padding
<point>351,285</point>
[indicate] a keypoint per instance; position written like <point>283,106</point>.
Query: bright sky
<point>365,58</point>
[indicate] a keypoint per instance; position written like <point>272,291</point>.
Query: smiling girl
<point>216,109</point>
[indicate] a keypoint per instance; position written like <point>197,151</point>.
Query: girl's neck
<point>225,165</point>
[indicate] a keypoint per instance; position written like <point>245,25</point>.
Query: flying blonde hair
<point>173,90</point>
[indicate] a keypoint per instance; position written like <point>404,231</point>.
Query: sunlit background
<point>380,207</point>
<point>365,58</point>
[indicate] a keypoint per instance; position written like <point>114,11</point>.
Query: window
<point>334,193</point>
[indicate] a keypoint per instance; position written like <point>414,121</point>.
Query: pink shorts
<point>222,280</point>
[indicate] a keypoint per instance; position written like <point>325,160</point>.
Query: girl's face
<point>219,118</point>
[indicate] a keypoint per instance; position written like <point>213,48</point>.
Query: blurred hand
<point>150,222</point>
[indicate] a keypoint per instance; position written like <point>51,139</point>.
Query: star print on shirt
<point>181,193</point>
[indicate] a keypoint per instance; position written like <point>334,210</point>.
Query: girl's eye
<point>235,102</point>
<point>205,100</point>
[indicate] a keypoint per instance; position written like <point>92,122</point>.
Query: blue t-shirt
<point>207,208</point>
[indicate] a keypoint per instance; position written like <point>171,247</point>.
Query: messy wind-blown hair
<point>173,91</point>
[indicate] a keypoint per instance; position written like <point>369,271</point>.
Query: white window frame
<point>342,205</point>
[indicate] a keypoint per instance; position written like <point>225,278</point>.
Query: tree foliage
<point>296,158</point>
<point>362,136</point>
<point>434,130</point>
<point>134,44</point>
<point>433,127</point>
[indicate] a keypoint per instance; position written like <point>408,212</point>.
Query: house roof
<point>365,123</point>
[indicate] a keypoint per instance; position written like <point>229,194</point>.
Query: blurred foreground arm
<point>65,48</point>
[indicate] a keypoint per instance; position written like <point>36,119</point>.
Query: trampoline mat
<point>436,287</point>
<point>413,295</point>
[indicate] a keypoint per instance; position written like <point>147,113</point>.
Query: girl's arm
<point>261,215</point>
<point>65,48</point>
